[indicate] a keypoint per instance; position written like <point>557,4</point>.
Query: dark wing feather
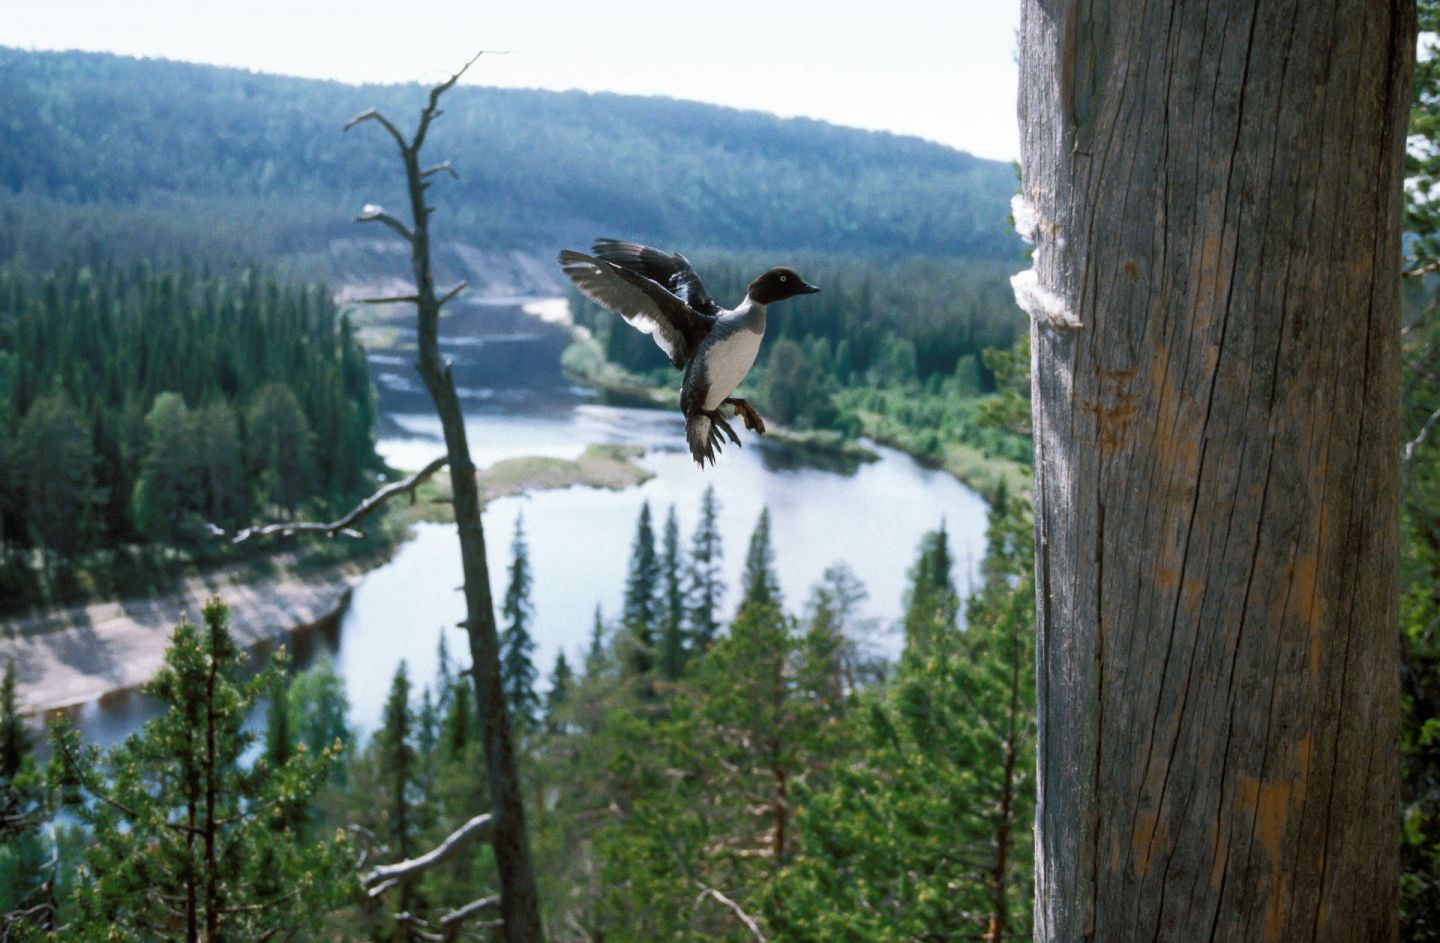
<point>671,270</point>
<point>646,305</point>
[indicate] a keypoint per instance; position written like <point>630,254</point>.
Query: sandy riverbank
<point>71,655</point>
<point>74,654</point>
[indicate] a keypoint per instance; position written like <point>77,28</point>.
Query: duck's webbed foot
<point>745,411</point>
<point>722,425</point>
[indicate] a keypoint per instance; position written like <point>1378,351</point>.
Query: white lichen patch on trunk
<point>1027,219</point>
<point>1041,303</point>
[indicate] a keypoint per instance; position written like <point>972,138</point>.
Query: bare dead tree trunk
<point>519,902</point>
<point>1216,193</point>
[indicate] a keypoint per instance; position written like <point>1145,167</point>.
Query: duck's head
<point>777,285</point>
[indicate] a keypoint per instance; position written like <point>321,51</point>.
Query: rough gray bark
<point>519,901</point>
<point>1217,191</point>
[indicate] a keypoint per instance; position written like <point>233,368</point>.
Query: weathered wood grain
<point>1218,190</point>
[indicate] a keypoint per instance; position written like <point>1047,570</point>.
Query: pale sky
<point>941,69</point>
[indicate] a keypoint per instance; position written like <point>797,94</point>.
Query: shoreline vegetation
<point>71,654</point>
<point>584,362</point>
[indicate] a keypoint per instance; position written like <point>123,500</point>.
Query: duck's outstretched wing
<point>672,270</point>
<point>644,303</point>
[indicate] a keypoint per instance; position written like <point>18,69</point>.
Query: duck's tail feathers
<point>704,439</point>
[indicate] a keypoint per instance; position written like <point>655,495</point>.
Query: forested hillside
<point>167,158</point>
<point>136,406</point>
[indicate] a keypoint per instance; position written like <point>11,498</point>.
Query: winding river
<point>870,517</point>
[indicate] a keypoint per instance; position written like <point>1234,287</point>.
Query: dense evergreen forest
<point>203,161</point>
<point>138,406</point>
<point>690,772</point>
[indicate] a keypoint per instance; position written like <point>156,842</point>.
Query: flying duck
<point>659,294</point>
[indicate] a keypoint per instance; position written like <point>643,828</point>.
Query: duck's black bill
<point>808,289</point>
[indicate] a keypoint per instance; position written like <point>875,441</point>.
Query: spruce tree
<point>640,615</point>
<point>280,447</point>
<point>15,740</point>
<point>186,840</point>
<point>54,462</point>
<point>517,648</point>
<point>319,710</point>
<point>672,602</point>
<point>457,729</point>
<point>395,743</point>
<point>26,894</point>
<point>932,604</point>
<point>397,767</point>
<point>562,691</point>
<point>760,585</point>
<point>171,485</point>
<point>706,586</point>
<point>597,659</point>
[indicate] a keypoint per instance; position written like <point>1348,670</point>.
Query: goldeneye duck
<point>659,294</point>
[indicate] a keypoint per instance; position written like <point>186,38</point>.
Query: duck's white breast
<point>726,364</point>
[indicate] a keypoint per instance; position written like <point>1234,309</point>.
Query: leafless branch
<point>464,912</point>
<point>344,526</point>
<point>382,877</point>
<point>1419,439</point>
<point>452,293</point>
<point>440,168</point>
<point>390,300</point>
<point>431,111</point>
<point>373,213</point>
<point>1425,268</point>
<point>373,115</point>
<point>743,917</point>
<point>418,927</point>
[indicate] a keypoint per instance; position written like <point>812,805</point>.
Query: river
<point>517,403</point>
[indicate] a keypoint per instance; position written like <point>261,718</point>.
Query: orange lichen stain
<point>1167,578</point>
<point>1270,929</point>
<point>1132,271</point>
<point>1269,805</point>
<point>1190,593</point>
<point>1302,588</point>
<point>1142,838</point>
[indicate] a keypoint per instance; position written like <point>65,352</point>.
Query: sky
<point>940,69</point>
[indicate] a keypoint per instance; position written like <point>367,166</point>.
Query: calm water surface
<point>871,518</point>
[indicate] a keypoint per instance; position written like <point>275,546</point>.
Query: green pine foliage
<point>705,586</point>
<point>759,586</point>
<point>641,613</point>
<point>27,899</point>
<point>673,644</point>
<point>926,835</point>
<point>185,839</point>
<point>931,602</point>
<point>138,405</point>
<point>517,649</point>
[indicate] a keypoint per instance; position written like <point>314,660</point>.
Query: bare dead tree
<point>519,902</point>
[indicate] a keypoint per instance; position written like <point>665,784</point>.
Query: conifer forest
<point>357,583</point>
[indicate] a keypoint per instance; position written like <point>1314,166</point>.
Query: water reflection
<point>870,516</point>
